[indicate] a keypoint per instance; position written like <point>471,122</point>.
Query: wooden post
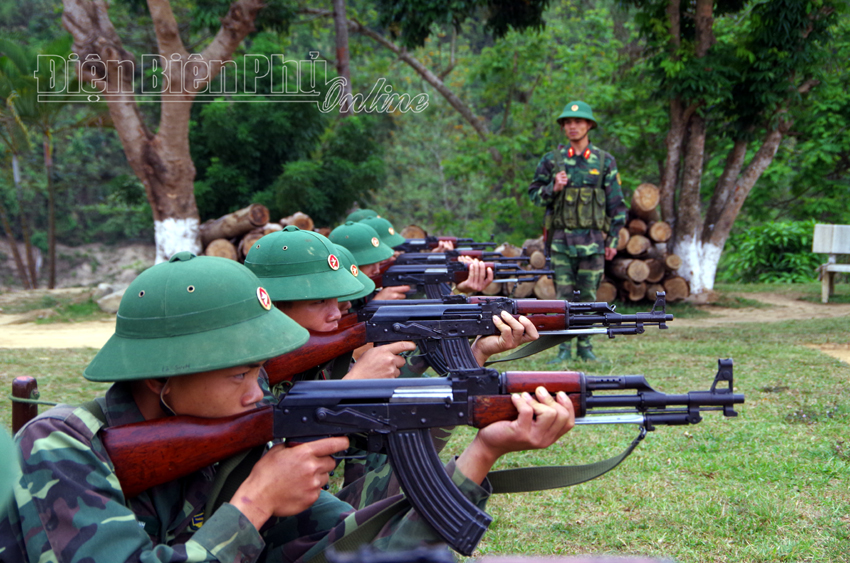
<point>23,387</point>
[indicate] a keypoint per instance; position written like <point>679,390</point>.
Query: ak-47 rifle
<point>393,416</point>
<point>429,242</point>
<point>444,327</point>
<point>453,255</point>
<point>431,279</point>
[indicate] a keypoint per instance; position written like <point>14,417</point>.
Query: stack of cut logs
<point>232,235</point>
<point>644,264</point>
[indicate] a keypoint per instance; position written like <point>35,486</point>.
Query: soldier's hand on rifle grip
<point>513,332</point>
<point>381,362</point>
<point>392,293</point>
<point>540,422</point>
<point>561,181</point>
<point>287,480</point>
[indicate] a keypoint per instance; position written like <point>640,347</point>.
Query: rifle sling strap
<point>341,365</point>
<point>229,476</point>
<point>543,343</point>
<point>528,479</point>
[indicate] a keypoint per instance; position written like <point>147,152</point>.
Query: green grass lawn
<point>771,485</point>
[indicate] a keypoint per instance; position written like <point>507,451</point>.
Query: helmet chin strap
<point>162,404</point>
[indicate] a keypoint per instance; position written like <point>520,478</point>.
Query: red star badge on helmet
<point>263,297</point>
<point>375,242</point>
<point>333,262</point>
<point>354,271</point>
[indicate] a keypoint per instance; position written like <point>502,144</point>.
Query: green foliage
<point>775,252</point>
<point>412,21</point>
<point>348,167</point>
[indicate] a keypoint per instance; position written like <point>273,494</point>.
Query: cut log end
<point>544,288</point>
<point>221,248</point>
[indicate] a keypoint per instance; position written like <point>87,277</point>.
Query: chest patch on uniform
<point>197,522</point>
<point>595,172</point>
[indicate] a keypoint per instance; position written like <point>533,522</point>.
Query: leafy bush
<point>772,253</point>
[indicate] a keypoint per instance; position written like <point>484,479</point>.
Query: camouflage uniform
<point>578,254</point>
<point>69,506</point>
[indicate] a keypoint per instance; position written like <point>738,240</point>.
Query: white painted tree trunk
<point>176,235</point>
<point>699,262</point>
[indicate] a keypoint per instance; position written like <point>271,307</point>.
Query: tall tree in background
<point>160,159</point>
<point>732,69</point>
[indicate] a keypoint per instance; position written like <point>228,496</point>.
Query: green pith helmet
<point>578,109</point>
<point>386,231</point>
<point>295,265</point>
<point>362,241</point>
<point>193,314</point>
<point>348,262</point>
<point>361,214</point>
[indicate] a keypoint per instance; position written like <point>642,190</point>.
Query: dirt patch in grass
<point>774,307</point>
<point>839,351</point>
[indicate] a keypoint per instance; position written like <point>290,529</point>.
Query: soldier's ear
<point>155,385</point>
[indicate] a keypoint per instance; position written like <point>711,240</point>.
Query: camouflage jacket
<point>69,506</point>
<point>582,170</point>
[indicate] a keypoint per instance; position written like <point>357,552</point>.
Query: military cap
<point>348,262</point>
<point>361,214</point>
<point>579,110</point>
<point>362,241</point>
<point>386,231</point>
<point>193,314</point>
<point>296,265</point>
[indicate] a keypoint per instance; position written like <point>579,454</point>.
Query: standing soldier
<point>580,187</point>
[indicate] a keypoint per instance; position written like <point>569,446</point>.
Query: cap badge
<point>264,299</point>
<point>574,107</point>
<point>333,262</point>
<point>375,242</point>
<point>354,271</point>
<point>392,231</point>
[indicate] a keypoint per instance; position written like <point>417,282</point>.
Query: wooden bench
<point>833,240</point>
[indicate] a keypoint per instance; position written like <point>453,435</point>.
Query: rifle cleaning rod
<point>575,331</point>
<point>623,419</point>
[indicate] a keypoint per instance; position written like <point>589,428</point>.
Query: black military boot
<point>586,353</point>
<point>563,354</point>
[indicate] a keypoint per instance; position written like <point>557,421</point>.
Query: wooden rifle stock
<point>150,453</point>
<point>321,348</point>
<point>487,409</point>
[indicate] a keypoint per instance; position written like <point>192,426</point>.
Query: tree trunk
<point>342,54</point>
<point>32,271</point>
<point>51,211</point>
<point>10,236</point>
<point>689,225</point>
<point>162,161</point>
